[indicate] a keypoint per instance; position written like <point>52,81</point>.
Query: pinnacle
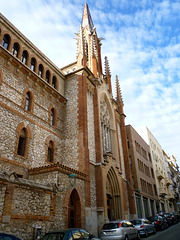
<point>86,19</point>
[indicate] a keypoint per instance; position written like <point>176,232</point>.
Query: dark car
<point>5,236</point>
<point>69,234</point>
<point>144,226</point>
<point>169,218</point>
<point>174,217</point>
<point>160,222</point>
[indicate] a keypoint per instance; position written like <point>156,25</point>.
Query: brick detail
<point>83,134</point>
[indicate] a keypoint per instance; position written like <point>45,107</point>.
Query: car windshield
<point>110,225</point>
<point>136,222</point>
<point>53,236</point>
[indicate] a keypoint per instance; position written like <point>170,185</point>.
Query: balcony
<point>168,181</point>
<point>170,195</point>
<point>162,192</point>
<point>176,196</point>
<point>159,174</point>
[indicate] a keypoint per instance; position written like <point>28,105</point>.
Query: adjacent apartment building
<point>144,183</point>
<point>163,174</point>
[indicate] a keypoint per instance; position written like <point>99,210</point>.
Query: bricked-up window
<point>6,41</point>
<point>22,142</point>
<point>24,57</point>
<point>15,49</point>
<point>51,152</point>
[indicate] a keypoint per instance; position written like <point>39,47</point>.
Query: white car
<point>119,230</point>
<point>144,226</point>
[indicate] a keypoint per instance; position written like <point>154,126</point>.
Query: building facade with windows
<point>163,175</point>
<point>144,184</point>
<point>55,123</point>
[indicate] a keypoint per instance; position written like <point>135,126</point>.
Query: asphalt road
<point>171,233</point>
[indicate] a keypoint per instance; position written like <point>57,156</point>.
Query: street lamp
<point>72,182</point>
<point>72,179</point>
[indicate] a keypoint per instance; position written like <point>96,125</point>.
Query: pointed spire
<point>119,98</point>
<point>107,68</point>
<point>108,74</point>
<point>86,19</point>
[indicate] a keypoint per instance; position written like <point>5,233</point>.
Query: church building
<point>63,146</point>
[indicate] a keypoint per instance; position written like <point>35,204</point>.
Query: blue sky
<point>141,41</point>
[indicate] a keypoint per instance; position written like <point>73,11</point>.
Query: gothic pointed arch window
<point>22,142</point>
<point>6,41</point>
<point>105,127</point>
<point>15,49</point>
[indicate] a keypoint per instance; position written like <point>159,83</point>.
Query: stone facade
<point>55,124</point>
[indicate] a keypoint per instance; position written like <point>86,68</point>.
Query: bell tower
<point>88,45</point>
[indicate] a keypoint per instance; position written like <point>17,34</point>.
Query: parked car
<point>178,216</point>
<point>5,236</point>
<point>169,218</point>
<point>68,234</point>
<point>144,226</point>
<point>119,230</point>
<point>174,217</point>
<point>160,222</point>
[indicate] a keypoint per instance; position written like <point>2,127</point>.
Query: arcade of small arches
<point>24,57</point>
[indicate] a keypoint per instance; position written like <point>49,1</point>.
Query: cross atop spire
<point>86,19</point>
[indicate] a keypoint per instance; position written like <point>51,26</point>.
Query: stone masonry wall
<point>91,133</point>
<point>22,207</point>
<point>11,108</point>
<point>70,150</point>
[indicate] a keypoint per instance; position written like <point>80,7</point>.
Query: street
<point>171,233</point>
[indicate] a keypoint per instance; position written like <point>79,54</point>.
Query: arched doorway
<point>74,210</point>
<point>113,196</point>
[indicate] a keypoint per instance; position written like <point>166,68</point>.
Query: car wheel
<point>146,233</point>
<point>138,236</point>
<point>126,238</point>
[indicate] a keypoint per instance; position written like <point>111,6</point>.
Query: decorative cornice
<point>56,167</point>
